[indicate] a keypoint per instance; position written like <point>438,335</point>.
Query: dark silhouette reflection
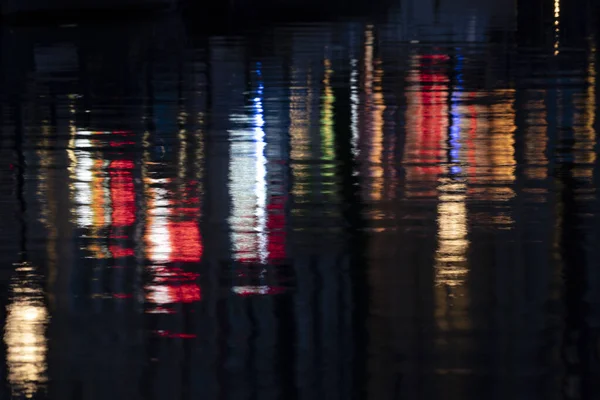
<point>404,207</point>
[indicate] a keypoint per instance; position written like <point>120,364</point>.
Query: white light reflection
<point>158,235</point>
<point>261,175</point>
<point>248,184</point>
<point>84,175</point>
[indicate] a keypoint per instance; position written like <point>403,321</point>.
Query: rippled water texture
<point>402,207</point>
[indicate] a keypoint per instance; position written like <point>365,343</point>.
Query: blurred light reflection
<point>25,334</point>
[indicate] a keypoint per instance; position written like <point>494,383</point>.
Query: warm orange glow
<point>122,193</point>
<point>451,259</point>
<point>186,243</point>
<point>374,108</point>
<point>536,139</point>
<point>585,134</point>
<point>25,334</point>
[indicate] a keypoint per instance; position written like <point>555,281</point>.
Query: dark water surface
<point>403,207</point>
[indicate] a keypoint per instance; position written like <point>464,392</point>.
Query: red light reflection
<point>122,193</point>
<point>120,252</point>
<point>173,335</point>
<point>186,243</point>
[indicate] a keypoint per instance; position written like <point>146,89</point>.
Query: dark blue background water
<point>398,206</point>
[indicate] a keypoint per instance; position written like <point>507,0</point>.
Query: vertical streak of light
<point>414,122</point>
<point>158,239</point>
<point>451,256</point>
<point>48,204</point>
<point>536,140</point>
<point>556,26</point>
<point>327,115</point>
<point>591,106</point>
<point>376,149</point>
<point>24,334</point>
<point>199,155</point>
<point>502,152</point>
<point>354,105</point>
<point>261,174</point>
<point>82,174</point>
<point>181,170</point>
<point>585,137</point>
<point>247,180</point>
<point>427,112</point>
<point>374,108</point>
<point>301,100</point>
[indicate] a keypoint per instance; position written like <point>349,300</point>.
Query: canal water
<point>397,206</point>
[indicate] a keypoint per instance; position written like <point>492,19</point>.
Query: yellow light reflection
<point>503,143</point>
<point>496,154</point>
<point>24,335</point>
<point>451,260</point>
<point>374,106</point>
<point>585,133</point>
<point>327,135</point>
<point>301,98</point>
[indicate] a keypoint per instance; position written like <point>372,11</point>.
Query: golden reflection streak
<point>451,256</point>
<point>375,107</point>
<point>556,26</point>
<point>585,133</point>
<point>451,259</point>
<point>500,154</point>
<point>300,143</point>
<point>376,148</point>
<point>503,141</point>
<point>25,334</point>
<point>451,263</point>
<point>183,142</point>
<point>536,140</point>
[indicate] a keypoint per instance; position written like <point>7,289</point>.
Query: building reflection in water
<point>184,278</point>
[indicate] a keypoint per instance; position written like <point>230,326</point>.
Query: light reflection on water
<point>25,333</point>
<point>356,209</point>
